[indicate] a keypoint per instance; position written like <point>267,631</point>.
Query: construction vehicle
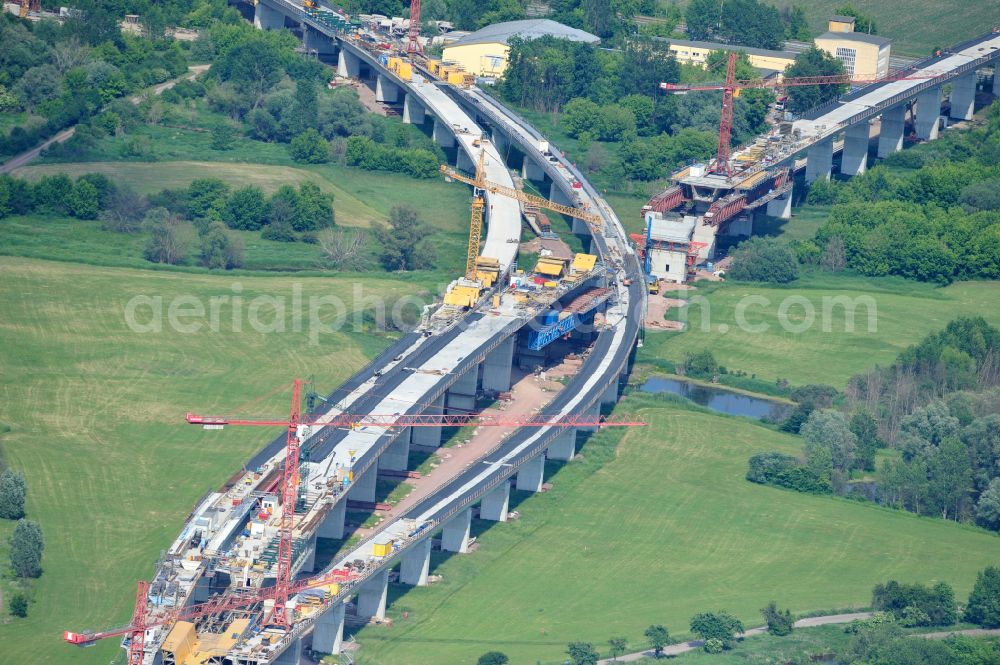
<point>28,6</point>
<point>654,285</point>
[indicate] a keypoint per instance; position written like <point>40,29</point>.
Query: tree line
<point>937,405</point>
<point>26,542</point>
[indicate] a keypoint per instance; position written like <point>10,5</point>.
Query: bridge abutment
<point>819,160</point>
<point>455,535</point>
<point>855,158</point>
<point>928,113</point>
<point>890,134</point>
<point>416,564</point>
<point>328,633</point>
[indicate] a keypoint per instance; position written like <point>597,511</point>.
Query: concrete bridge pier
<point>497,366</point>
<point>928,113</point>
<point>463,162</point>
<point>397,456</point>
<point>890,135</point>
<point>531,474</point>
<point>855,159</point>
<point>501,141</point>
<point>996,80</point>
<point>267,18</point>
<point>328,632</point>
<point>455,535</point>
<point>592,412</point>
<point>385,90</point>
<point>414,112</point>
<point>963,96</point>
<point>494,504</point>
<point>780,207</point>
<point>293,653</point>
<point>416,564</point>
<point>363,488</point>
<point>333,523</point>
<point>430,436</point>
<point>461,396</point>
<point>309,564</point>
<point>443,135</point>
<point>348,64</point>
<point>316,42</point>
<point>819,160</point>
<point>372,595</point>
<point>610,396</point>
<point>563,447</point>
<point>530,170</point>
<point>556,195</point>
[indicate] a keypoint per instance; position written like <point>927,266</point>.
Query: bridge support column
<point>371,597</point>
<point>309,565</point>
<point>293,653</point>
<point>397,456</point>
<point>593,412</point>
<point>531,474</point>
<point>996,80</point>
<point>819,160</point>
<point>494,504</point>
<point>413,111</point>
<point>443,135</point>
<point>890,134</point>
<point>855,158</point>
<point>781,206</point>
<point>416,564</point>
<point>556,195</point>
<point>462,393</point>
<point>316,42</point>
<point>455,535</point>
<point>531,170</point>
<point>463,162</point>
<point>333,523</point>
<point>563,447</point>
<point>963,96</point>
<point>501,141</point>
<point>610,396</point>
<point>928,113</point>
<point>496,367</point>
<point>328,632</point>
<point>363,488</point>
<point>385,90</point>
<point>267,18</point>
<point>430,436</point>
<point>348,64</point>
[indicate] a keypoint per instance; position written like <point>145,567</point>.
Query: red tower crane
<point>413,46</point>
<point>731,88</point>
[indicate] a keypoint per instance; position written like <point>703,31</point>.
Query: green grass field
<point>97,421</point>
<point>654,531</point>
<point>906,312</point>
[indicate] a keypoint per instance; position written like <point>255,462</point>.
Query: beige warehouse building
<point>485,52</point>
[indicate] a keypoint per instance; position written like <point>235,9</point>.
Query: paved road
<point>676,649</point>
<point>971,632</point>
<point>25,157</point>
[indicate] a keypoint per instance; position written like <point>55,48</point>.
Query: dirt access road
<point>20,160</point>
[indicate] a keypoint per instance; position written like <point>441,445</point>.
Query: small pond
<point>719,399</point>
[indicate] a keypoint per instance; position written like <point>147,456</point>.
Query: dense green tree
<point>983,195</point>
<point>829,430</point>
<point>246,209</point>
<point>983,608</point>
<point>12,494</point>
<point>314,209</point>
<point>493,658</point>
<point>303,113</point>
<point>813,62</point>
<point>582,653</point>
<point>703,19</point>
<point>220,248</point>
<point>83,201</point>
<point>223,136</point>
<point>18,603</point>
<point>309,147</point>
<point>255,65</point>
<point>988,506</point>
<point>617,646</point>
<point>936,603</point>
<point>719,625</point>
<point>796,24</point>
<point>52,193</point>
<point>206,198</point>
<point>37,86</point>
<point>762,259</point>
<point>26,547</point>
<point>865,429</point>
<point>170,239</point>
<point>779,622</point>
<point>950,479</point>
<point>405,242</point>
<point>658,637</point>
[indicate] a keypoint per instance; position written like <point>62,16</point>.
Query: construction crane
<point>731,89</point>
<point>481,184</point>
<point>29,6</point>
<point>413,46</point>
<point>143,619</point>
